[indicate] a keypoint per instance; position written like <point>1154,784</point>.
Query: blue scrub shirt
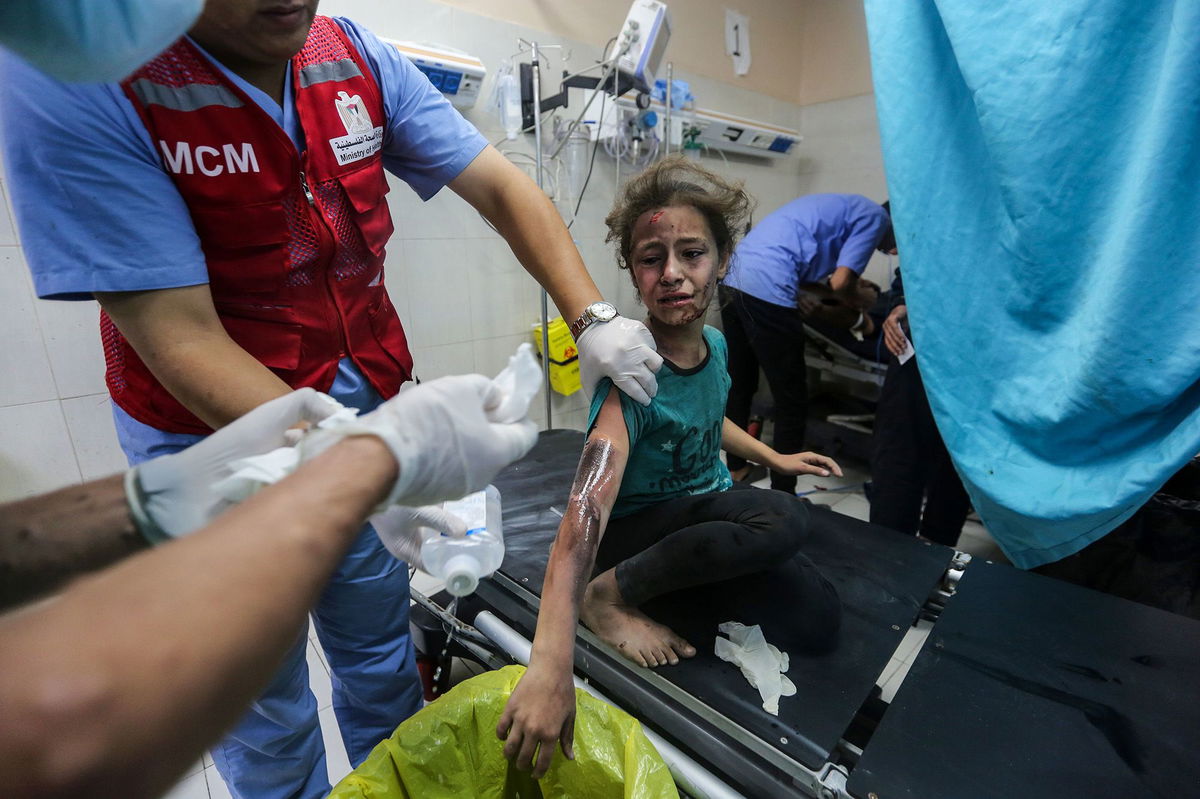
<point>84,218</point>
<point>804,242</point>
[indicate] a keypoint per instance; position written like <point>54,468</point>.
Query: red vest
<point>294,244</point>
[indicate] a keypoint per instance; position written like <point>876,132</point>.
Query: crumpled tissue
<point>762,664</point>
<point>252,473</point>
<point>514,388</point>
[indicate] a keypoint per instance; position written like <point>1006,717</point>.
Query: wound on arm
<point>595,489</point>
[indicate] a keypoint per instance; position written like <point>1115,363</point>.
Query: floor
<point>845,494</point>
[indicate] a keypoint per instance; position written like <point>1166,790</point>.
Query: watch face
<point>603,311</point>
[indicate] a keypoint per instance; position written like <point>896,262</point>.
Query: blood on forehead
<point>656,216</point>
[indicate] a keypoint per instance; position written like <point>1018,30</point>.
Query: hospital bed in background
<point>837,353</point>
<point>1026,686</point>
<point>845,376</point>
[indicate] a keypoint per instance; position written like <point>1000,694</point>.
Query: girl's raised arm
<point>541,710</point>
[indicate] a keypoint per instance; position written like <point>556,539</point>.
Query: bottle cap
<point>462,575</point>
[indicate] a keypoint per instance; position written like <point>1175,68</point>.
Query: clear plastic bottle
<point>507,98</point>
<point>463,562</point>
<point>576,157</point>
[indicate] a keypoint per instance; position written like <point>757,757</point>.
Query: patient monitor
<point>630,63</point>
<point>645,33</point>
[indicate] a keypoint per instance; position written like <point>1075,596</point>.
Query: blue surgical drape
<point>1043,162</point>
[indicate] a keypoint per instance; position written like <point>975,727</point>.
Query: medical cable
<point>591,165</point>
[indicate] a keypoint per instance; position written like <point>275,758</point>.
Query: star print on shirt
<point>668,447</point>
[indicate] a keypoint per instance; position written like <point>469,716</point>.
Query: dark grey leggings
<point>707,538</point>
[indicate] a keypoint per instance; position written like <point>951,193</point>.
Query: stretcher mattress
<point>1033,687</point>
<point>1026,686</point>
<point>883,578</point>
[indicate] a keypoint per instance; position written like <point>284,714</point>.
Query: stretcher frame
<point>826,355</point>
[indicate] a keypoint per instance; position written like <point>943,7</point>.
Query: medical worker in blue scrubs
<point>819,238</point>
<point>102,216</point>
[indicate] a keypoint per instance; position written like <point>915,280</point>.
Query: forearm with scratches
<point>592,494</point>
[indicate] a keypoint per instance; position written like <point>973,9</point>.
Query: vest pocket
<point>246,247</point>
<point>389,332</point>
<point>366,189</point>
<point>274,343</point>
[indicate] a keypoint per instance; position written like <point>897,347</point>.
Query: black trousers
<point>762,334</point>
<point>724,537</point>
<point>910,463</point>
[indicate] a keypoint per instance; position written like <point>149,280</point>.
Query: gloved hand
<point>445,434</point>
<point>173,495</point>
<point>622,350</point>
<point>402,529</point>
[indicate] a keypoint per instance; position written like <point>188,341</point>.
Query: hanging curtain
<point>1043,163</point>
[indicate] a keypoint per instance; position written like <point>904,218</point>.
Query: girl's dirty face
<point>675,264</point>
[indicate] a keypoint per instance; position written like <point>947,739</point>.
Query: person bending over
<point>813,249</point>
<point>653,509</point>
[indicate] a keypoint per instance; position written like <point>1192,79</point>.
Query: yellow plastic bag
<point>450,749</point>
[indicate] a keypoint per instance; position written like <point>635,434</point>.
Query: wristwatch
<point>596,312</point>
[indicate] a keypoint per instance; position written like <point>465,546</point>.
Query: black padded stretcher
<point>1026,686</point>
<point>1033,687</point>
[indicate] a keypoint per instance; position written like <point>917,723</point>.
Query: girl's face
<point>675,264</point>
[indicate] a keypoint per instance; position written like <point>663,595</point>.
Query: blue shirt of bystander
<point>804,242</point>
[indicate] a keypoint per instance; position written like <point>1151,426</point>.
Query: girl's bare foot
<point>633,633</point>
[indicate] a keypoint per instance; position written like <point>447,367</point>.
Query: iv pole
<point>608,69</point>
<point>537,147</point>
<point>536,78</point>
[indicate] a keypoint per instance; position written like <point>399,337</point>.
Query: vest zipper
<point>307,192</point>
<point>320,224</point>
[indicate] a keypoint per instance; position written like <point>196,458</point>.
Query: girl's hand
<point>807,463</point>
<point>539,715</point>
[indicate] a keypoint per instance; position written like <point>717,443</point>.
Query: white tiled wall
<point>36,450</point>
<point>464,299</point>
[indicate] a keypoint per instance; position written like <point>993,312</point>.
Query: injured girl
<point>653,509</point>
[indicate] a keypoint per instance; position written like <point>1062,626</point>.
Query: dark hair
<point>676,181</point>
<point>887,242</point>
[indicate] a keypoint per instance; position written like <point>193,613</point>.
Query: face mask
<point>94,40</point>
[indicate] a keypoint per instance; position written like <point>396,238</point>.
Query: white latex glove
<point>173,495</point>
<point>445,434</point>
<point>762,664</point>
<point>622,350</point>
<point>402,529</point>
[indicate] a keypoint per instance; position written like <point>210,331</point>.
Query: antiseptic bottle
<point>463,562</point>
